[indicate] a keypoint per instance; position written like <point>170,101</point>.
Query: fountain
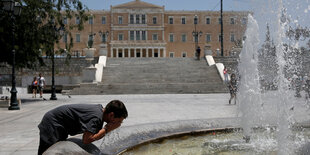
<point>270,112</point>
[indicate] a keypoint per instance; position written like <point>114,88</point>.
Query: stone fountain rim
<point>180,134</point>
<point>225,125</point>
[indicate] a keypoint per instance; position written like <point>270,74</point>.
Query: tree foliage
<point>267,63</point>
<point>36,30</point>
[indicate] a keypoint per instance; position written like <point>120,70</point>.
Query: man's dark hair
<point>118,108</point>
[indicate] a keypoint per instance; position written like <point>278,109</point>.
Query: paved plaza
<point>20,135</point>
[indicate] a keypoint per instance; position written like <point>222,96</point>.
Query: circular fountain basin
<point>222,142</point>
<point>137,137</point>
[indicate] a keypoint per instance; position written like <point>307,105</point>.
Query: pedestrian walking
<point>41,81</point>
<point>34,87</point>
<point>233,88</point>
<point>198,52</point>
<point>225,75</point>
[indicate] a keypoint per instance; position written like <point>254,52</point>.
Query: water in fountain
<point>252,102</point>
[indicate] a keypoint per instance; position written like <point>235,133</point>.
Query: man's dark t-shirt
<point>72,119</point>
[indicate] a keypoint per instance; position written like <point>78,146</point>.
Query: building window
<point>155,37</point>
<point>131,19</point>
<point>77,38</point>
<point>64,20</point>
<point>171,54</point>
<point>232,21</point>
<point>132,35</point>
<point>208,38</point>
<point>170,20</point>
<point>90,20</point>
<point>196,20</point>
<point>184,54</point>
<point>77,20</point>
<point>219,20</point>
<point>183,37</point>
<point>103,20</point>
<point>208,20</point>
<point>196,39</point>
<point>171,37</point>
<point>143,35</point>
<point>143,19</point>
<point>120,36</point>
<point>103,38</point>
<point>183,20</point>
<point>137,19</point>
<point>232,37</point>
<point>64,38</point>
<point>154,20</point>
<point>120,20</point>
<point>137,35</point>
<point>244,21</point>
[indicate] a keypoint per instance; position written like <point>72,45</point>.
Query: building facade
<point>140,29</point>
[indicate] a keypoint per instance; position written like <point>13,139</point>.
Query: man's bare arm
<point>89,137</point>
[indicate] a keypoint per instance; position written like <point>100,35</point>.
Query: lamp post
<point>14,9</point>
<point>196,34</point>
<point>222,41</point>
<point>59,31</point>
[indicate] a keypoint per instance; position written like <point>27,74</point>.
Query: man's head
<point>40,75</point>
<point>233,76</point>
<point>115,111</point>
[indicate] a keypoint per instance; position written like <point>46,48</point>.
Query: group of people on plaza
<point>38,83</point>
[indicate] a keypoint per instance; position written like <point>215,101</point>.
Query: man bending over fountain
<point>74,119</point>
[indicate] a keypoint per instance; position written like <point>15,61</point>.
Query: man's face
<point>112,119</point>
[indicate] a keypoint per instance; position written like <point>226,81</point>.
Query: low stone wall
<point>65,73</point>
<point>231,62</point>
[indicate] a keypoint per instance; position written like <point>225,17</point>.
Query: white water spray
<point>249,93</point>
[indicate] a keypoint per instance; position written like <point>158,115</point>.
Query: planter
<point>89,52</point>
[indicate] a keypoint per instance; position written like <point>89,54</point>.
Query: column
<point>112,55</point>
<point>123,53</point>
<point>153,52</point>
<point>141,52</point>
<point>164,52</point>
<point>135,52</point>
<point>129,52</point>
<point>117,52</point>
<point>147,52</point>
<point>158,52</point>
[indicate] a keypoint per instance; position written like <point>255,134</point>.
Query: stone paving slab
<point>20,135</point>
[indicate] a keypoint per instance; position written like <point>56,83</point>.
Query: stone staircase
<point>155,76</point>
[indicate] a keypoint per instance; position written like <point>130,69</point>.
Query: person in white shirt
<point>41,82</point>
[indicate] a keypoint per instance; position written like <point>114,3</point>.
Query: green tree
<point>37,30</point>
<point>267,63</point>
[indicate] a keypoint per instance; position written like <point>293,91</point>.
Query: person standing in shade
<point>233,88</point>
<point>41,84</point>
<point>225,75</point>
<point>198,52</point>
<point>34,87</point>
<point>75,119</point>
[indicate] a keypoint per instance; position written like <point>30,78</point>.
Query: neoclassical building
<point>141,29</point>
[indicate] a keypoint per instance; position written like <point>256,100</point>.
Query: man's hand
<point>112,125</point>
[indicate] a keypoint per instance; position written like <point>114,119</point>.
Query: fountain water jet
<point>249,92</point>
